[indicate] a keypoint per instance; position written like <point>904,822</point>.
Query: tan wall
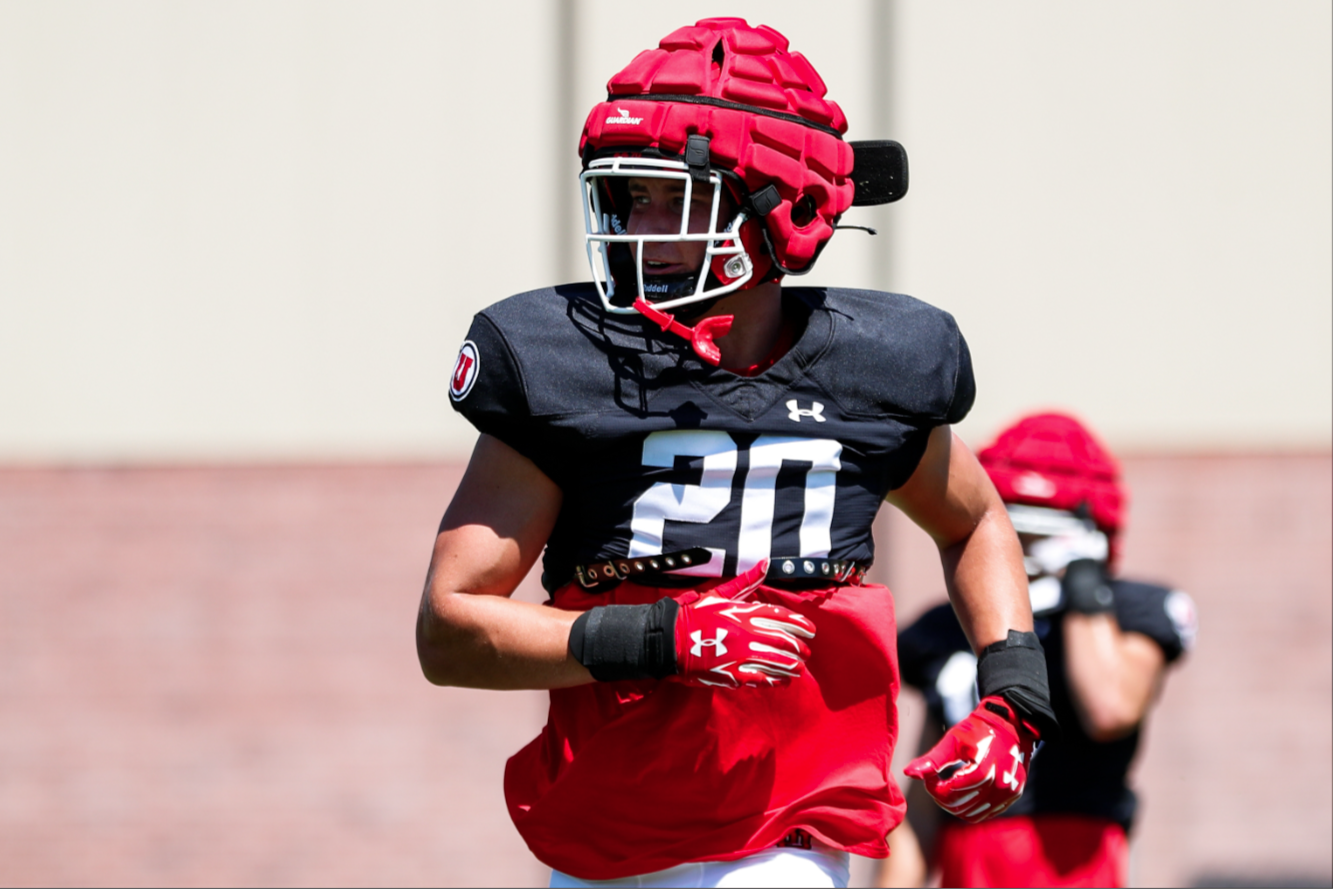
<point>253,231</point>
<point>259,230</point>
<point>1127,205</point>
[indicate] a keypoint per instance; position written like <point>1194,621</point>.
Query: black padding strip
<point>690,99</point>
<point>1015,669</point>
<point>626,641</point>
<point>765,200</point>
<point>659,638</point>
<point>696,157</point>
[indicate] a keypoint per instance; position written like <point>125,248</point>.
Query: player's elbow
<point>1109,719</point>
<point>440,643</point>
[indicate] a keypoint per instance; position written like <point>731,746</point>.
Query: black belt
<point>797,839</point>
<point>780,568</point>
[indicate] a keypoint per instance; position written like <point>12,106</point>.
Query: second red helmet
<point>1053,460</point>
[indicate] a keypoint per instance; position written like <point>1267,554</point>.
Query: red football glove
<point>979,768</point>
<point>726,642</point>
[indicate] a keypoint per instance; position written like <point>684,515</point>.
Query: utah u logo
<point>815,413</point>
<point>719,650</point>
<point>465,371</point>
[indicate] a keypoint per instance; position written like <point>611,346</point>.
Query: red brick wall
<point>207,676</point>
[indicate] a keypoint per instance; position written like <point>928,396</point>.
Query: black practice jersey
<point>656,451</point>
<point>1071,773</point>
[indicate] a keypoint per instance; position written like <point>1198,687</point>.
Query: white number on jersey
<point>703,502</point>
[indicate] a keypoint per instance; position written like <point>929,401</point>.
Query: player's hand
<point>979,768</point>
<point>724,641</point>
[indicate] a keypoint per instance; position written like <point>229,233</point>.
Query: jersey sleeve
<point>1166,616</point>
<point>956,390</point>
<point>487,388</point>
<point>965,384</point>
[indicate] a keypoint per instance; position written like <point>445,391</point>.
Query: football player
<point>700,453</point>
<point>1107,642</point>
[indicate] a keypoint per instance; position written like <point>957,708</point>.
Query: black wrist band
<point>1015,669</point>
<point>1085,587</point>
<point>626,641</point>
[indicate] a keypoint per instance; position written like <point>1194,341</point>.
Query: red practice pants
<point>1041,850</point>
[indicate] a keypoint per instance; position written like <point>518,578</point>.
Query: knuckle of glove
<point>982,767</point>
<point>731,643</point>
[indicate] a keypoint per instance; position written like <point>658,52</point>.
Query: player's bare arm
<point>979,767</point>
<point>1114,675</point>
<point>469,632</point>
<point>953,500</point>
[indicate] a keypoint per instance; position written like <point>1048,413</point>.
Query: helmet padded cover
<point>1053,460</point>
<point>727,60</point>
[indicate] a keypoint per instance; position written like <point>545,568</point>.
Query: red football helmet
<point>724,107</point>
<point>1052,460</point>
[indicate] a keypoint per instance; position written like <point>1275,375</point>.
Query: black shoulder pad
<point>893,355</point>
<point>1163,615</point>
<point>531,363</point>
<point>575,358</point>
<point>486,386</point>
<point>965,384</point>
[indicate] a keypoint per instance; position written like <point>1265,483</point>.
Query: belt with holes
<point>815,568</point>
<point>780,568</point>
<point>796,839</point>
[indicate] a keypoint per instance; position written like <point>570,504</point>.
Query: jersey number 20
<point>703,502</point>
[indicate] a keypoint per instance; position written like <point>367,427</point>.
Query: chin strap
<point>701,335</point>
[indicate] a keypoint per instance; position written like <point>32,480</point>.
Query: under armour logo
<point>816,412</point>
<point>716,644</point>
<point>1011,777</point>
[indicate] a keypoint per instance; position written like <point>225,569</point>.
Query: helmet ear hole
<point>803,212</point>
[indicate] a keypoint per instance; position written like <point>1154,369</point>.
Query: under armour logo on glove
<point>795,411</point>
<point>960,771</point>
<point>724,641</point>
<point>699,642</point>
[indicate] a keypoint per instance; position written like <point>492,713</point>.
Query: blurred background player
<point>1108,642</point>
